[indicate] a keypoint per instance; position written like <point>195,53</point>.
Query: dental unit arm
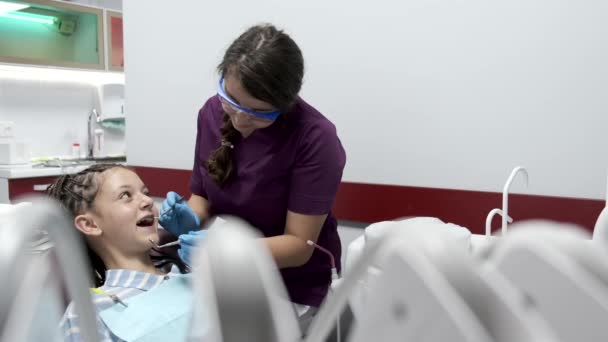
<point>239,289</point>
<point>26,276</point>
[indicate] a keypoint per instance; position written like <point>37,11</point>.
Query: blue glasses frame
<point>221,92</point>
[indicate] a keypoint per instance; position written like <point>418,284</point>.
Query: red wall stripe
<point>363,202</point>
<point>160,181</point>
<point>25,186</point>
<point>375,202</point>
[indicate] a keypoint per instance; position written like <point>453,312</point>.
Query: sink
<point>68,162</point>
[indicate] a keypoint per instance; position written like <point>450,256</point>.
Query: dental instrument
<point>164,213</point>
<point>332,260</point>
<point>166,244</point>
<point>114,297</point>
<point>156,245</point>
<point>335,277</point>
<point>176,242</point>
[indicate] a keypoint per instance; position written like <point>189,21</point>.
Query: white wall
<point>50,108</point>
<point>50,116</point>
<point>448,94</point>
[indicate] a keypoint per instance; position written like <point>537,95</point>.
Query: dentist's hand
<point>176,216</point>
<point>188,244</point>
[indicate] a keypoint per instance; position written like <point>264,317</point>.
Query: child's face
<point>124,211</point>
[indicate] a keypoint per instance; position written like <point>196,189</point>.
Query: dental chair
<point>239,294</point>
<point>30,307</point>
<point>375,231</point>
<point>562,273</point>
<point>458,236</point>
<point>429,289</point>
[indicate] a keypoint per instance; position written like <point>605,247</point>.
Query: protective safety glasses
<point>221,92</point>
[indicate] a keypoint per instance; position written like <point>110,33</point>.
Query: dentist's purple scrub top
<point>295,164</point>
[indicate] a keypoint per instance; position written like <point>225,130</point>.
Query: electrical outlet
<point>7,129</point>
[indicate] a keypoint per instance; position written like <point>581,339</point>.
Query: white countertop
<point>29,171</point>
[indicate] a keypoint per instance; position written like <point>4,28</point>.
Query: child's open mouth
<point>146,222</point>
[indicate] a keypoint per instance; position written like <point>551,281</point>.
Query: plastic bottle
<point>75,150</point>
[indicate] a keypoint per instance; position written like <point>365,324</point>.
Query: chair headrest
<point>460,236</point>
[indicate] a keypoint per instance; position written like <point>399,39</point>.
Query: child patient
<point>138,297</point>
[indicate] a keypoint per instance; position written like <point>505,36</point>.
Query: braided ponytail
<point>220,164</point>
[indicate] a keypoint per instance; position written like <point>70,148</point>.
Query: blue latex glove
<point>176,216</point>
<point>188,244</point>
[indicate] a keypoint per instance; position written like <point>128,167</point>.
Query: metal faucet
<point>90,140</point>
<point>505,195</point>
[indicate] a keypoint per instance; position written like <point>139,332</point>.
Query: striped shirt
<point>122,283</point>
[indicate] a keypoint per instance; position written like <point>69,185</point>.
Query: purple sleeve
<point>317,171</point>
<point>197,186</point>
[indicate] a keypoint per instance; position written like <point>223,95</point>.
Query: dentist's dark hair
<point>76,193</point>
<point>270,67</point>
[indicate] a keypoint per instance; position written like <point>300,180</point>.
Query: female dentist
<point>265,155</point>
